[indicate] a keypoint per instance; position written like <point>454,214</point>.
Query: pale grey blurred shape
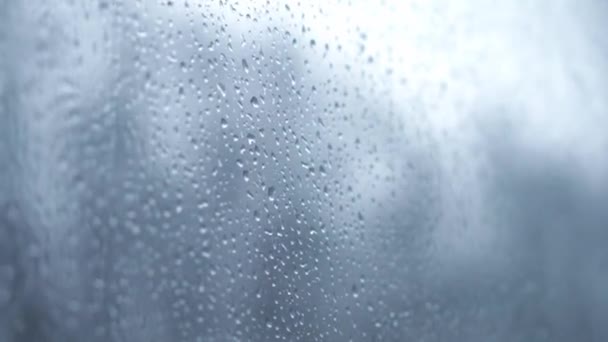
<point>466,179</point>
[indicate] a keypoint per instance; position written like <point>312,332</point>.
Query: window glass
<point>300,171</point>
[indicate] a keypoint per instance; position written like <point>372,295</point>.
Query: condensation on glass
<point>197,170</point>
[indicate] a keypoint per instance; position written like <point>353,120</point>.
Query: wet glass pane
<point>262,171</point>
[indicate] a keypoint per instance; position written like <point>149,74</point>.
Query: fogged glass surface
<point>300,171</point>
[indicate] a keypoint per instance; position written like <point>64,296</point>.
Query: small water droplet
<point>222,89</point>
<point>250,138</point>
<point>271,193</point>
<point>322,170</point>
<point>254,101</point>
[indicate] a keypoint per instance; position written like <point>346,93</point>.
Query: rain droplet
<point>250,138</point>
<point>355,291</point>
<point>222,89</point>
<point>271,193</point>
<point>254,101</point>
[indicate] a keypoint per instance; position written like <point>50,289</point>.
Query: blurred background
<point>196,170</point>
